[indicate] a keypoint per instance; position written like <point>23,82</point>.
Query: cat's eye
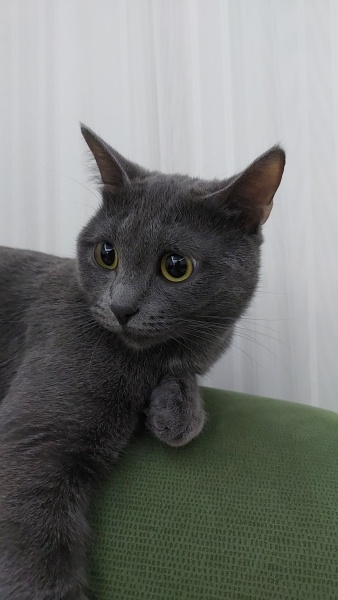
<point>175,267</point>
<point>105,255</point>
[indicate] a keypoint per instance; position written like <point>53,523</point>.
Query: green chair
<point>248,511</point>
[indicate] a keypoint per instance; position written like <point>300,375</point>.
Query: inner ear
<point>250,195</point>
<point>112,174</point>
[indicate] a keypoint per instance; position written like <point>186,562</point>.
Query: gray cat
<point>163,271</point>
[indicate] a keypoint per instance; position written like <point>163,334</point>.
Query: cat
<point>163,271</point>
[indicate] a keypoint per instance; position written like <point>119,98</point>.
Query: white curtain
<point>197,86</point>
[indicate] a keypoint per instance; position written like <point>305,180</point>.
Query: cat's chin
<point>137,341</point>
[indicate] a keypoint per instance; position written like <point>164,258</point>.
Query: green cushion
<point>249,510</point>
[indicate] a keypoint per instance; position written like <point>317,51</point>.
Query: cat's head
<point>169,257</point>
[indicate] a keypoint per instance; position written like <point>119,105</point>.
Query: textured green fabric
<point>249,511</point>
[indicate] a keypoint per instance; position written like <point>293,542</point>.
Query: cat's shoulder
<point>14,261</point>
<point>26,275</point>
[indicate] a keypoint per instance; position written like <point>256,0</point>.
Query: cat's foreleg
<point>43,504</point>
<point>175,414</point>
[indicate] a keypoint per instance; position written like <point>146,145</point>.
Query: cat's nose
<point>123,313</point>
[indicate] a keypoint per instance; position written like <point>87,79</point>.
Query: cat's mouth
<point>133,338</point>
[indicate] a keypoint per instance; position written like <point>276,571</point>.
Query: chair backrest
<point>249,510</point>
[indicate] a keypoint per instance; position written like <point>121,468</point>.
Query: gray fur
<point>74,382</point>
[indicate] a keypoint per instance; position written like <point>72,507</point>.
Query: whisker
<point>76,181</point>
<point>256,342</point>
<point>248,355</point>
<point>270,337</point>
<point>205,327</point>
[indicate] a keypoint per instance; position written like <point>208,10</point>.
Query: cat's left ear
<point>249,195</point>
<point>115,170</point>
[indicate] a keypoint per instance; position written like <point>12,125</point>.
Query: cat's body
<point>85,350</point>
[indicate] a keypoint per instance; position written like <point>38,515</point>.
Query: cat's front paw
<point>176,414</point>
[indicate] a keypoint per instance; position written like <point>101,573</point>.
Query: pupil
<point>176,265</point>
<point>107,254</point>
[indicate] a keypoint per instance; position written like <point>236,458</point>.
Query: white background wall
<point>199,86</point>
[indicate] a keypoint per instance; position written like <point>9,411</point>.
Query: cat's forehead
<point>167,198</point>
<point>168,190</point>
<point>158,212</point>
<point>163,200</point>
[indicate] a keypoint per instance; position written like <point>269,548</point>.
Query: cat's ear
<point>115,170</point>
<point>249,196</point>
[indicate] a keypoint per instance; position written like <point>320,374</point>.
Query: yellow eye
<point>175,267</point>
<point>106,255</point>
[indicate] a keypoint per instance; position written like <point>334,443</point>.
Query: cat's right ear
<point>115,170</point>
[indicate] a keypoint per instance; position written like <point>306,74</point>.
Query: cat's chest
<point>105,368</point>
<point>126,374</point>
